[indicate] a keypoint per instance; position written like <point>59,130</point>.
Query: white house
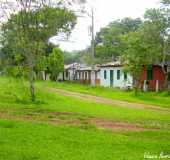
<point>112,75</point>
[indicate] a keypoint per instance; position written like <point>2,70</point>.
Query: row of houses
<point>113,75</point>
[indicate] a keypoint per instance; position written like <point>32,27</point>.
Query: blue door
<point>111,78</point>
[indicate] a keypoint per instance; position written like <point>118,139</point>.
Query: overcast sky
<point>105,11</point>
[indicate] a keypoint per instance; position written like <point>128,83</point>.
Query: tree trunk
<point>168,88</point>
<point>31,83</point>
<point>136,90</point>
<point>136,86</point>
<point>45,75</point>
<point>166,83</point>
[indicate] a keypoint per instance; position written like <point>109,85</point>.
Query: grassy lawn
<point>159,99</point>
<point>39,136</point>
<point>29,141</point>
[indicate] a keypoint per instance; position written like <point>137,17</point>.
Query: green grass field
<point>57,127</point>
<point>159,99</point>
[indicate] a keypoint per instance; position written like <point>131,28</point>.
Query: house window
<point>125,76</point>
<point>105,74</point>
<point>149,72</point>
<point>118,74</point>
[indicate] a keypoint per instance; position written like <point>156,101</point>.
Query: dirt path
<point>72,119</point>
<point>112,102</point>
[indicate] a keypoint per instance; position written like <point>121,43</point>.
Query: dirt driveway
<point>72,119</point>
<point>107,101</point>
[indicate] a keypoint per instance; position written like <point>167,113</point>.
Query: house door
<point>111,78</point>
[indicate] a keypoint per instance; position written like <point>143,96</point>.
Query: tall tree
<point>135,55</point>
<point>26,32</point>
<point>108,39</point>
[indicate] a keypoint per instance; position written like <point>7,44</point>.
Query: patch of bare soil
<point>107,101</point>
<point>106,124</point>
<point>58,118</point>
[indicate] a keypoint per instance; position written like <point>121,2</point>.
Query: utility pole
<point>92,34</point>
<point>93,75</point>
<point>93,41</point>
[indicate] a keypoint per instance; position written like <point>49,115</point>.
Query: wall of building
<point>61,76</point>
<point>158,75</point>
<point>69,75</point>
<point>97,78</point>
<point>121,83</point>
<point>85,77</point>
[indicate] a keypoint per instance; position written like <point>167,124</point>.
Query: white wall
<point>98,75</point>
<point>121,83</point>
<point>60,77</point>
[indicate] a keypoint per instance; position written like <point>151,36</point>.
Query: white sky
<point>105,11</point>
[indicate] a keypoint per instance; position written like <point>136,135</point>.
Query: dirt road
<point>107,101</point>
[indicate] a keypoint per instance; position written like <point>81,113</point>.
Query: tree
<point>26,32</point>
<point>150,44</point>
<point>49,48</point>
<point>157,37</point>
<point>86,56</point>
<point>166,2</point>
<point>55,63</point>
<point>134,55</point>
<point>166,11</point>
<point>72,57</point>
<point>108,39</point>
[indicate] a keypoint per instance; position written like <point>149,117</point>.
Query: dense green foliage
<point>72,57</point>
<point>41,25</point>
<point>108,42</point>
<point>25,35</point>
<point>55,63</point>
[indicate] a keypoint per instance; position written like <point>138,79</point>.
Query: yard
<point>75,122</point>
